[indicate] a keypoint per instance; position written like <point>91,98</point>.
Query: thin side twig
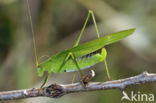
<point>58,90</point>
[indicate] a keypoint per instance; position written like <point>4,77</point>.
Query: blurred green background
<point>57,24</point>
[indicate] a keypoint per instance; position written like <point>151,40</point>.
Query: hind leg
<point>104,54</point>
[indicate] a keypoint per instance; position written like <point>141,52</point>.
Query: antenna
<point>32,32</point>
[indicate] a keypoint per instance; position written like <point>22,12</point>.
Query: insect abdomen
<point>85,61</point>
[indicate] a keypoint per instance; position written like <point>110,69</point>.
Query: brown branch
<point>58,90</point>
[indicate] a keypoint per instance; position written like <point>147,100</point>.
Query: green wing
<point>96,44</point>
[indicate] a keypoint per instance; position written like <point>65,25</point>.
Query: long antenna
<point>33,34</point>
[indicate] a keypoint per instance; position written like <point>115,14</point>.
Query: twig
<point>58,90</point>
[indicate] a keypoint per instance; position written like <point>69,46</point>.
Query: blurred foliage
<point>5,37</point>
<point>57,24</point>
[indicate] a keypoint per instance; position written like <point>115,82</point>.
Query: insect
<point>79,56</point>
